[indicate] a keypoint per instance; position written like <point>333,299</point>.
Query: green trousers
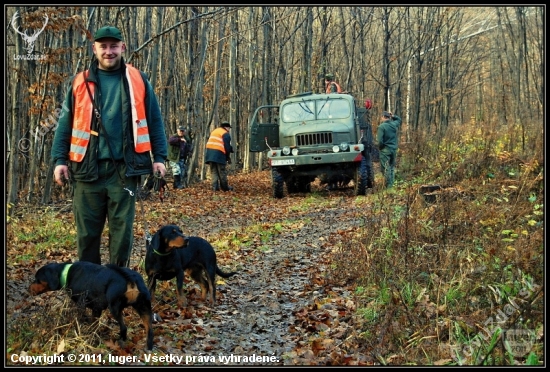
<point>387,165</point>
<point>103,200</point>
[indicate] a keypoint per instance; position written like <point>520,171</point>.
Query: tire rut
<point>256,307</point>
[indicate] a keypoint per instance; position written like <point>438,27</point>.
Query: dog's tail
<point>223,274</point>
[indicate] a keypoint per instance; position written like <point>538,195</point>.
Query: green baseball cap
<point>108,32</point>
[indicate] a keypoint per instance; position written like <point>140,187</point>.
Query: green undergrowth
<point>450,268</point>
<point>447,268</point>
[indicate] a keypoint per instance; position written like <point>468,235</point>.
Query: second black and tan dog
<point>170,254</point>
<point>99,287</point>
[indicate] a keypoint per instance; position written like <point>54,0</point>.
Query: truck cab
<point>309,136</point>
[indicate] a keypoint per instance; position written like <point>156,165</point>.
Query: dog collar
<point>161,254</point>
<point>64,274</point>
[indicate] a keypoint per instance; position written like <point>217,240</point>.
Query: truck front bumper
<point>276,158</point>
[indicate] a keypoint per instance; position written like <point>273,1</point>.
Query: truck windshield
<point>325,108</point>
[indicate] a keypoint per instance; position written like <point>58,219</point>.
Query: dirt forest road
<point>279,309</point>
<point>267,313</point>
<point>256,312</point>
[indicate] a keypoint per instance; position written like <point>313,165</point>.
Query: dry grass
<point>433,269</point>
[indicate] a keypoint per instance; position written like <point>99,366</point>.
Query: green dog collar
<point>161,254</point>
<point>64,274</point>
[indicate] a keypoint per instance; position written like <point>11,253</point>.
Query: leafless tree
<point>436,66</point>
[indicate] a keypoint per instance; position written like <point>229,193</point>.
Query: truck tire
<point>368,157</point>
<point>277,183</point>
<point>370,173</point>
<point>361,178</point>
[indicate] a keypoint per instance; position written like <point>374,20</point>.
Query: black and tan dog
<point>99,287</point>
<point>170,254</point>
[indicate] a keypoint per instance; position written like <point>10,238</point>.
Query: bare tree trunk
<point>346,60</point>
<point>520,15</point>
<point>155,73</point>
<point>234,104</point>
<point>253,99</point>
<point>35,134</point>
<point>16,115</point>
<point>386,61</point>
<point>305,77</point>
<point>371,59</point>
<point>201,32</point>
<point>267,53</point>
<point>48,183</point>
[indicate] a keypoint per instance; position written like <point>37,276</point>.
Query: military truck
<point>309,136</point>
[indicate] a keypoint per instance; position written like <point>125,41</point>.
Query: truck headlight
<point>295,151</point>
<point>335,148</point>
<point>286,150</point>
<point>344,146</point>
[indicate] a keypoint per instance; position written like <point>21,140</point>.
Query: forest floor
<point>282,308</point>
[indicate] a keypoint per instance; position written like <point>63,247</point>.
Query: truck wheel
<point>368,158</point>
<point>360,179</point>
<point>370,175</point>
<point>277,183</point>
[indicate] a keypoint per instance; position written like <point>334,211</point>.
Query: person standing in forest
<point>105,143</point>
<point>330,85</point>
<point>387,137</point>
<point>180,146</point>
<point>218,155</point>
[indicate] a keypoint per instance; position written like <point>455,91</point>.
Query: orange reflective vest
<point>83,111</point>
<point>338,89</point>
<point>215,142</point>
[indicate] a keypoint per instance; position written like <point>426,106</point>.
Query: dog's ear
<point>49,274</point>
<point>54,282</point>
<point>155,241</point>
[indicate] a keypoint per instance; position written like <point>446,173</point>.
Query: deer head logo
<point>29,40</point>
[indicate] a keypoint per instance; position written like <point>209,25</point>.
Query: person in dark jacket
<point>218,155</point>
<point>111,133</point>
<point>387,137</point>
<point>180,146</point>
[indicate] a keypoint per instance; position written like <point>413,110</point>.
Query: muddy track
<point>255,311</point>
<point>255,320</point>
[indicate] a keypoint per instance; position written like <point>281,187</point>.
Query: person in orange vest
<point>218,155</point>
<point>330,85</point>
<point>110,133</point>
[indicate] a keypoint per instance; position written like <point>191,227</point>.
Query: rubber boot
<point>177,182</point>
<point>180,182</point>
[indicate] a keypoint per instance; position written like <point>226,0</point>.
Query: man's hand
<point>159,167</point>
<point>61,174</point>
